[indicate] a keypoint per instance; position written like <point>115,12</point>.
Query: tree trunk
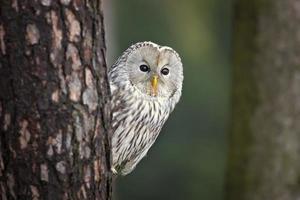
<point>264,156</point>
<point>54,116</point>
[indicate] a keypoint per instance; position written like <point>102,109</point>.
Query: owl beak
<point>154,82</point>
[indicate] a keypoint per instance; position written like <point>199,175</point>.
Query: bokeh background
<point>189,158</point>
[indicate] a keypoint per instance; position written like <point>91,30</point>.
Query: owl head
<point>155,71</point>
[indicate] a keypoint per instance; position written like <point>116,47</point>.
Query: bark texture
<point>54,116</point>
<point>264,161</point>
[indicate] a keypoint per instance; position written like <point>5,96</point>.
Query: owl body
<point>143,96</point>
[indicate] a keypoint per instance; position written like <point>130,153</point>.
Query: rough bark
<point>264,161</point>
<point>54,116</point>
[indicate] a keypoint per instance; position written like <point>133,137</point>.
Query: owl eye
<point>144,68</point>
<point>165,71</point>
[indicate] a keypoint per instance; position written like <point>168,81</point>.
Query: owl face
<point>155,70</point>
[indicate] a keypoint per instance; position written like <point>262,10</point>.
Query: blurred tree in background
<point>265,142</point>
<point>188,159</point>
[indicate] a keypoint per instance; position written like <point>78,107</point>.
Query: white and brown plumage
<point>146,83</point>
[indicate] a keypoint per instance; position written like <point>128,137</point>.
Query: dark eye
<point>144,68</point>
<point>165,71</point>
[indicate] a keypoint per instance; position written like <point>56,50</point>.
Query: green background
<point>188,161</point>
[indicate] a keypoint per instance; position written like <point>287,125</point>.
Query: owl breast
<point>137,122</point>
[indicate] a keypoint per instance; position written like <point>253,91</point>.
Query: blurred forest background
<point>188,160</point>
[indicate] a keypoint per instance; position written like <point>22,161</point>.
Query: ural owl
<point>146,84</point>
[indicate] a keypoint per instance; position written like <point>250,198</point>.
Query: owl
<point>146,83</point>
